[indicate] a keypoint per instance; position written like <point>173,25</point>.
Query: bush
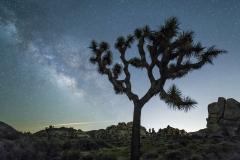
<point>107,156</point>
<point>67,145</point>
<point>150,155</point>
<point>196,157</point>
<point>200,149</point>
<point>173,155</point>
<point>161,150</point>
<point>87,157</point>
<point>86,145</point>
<point>12,136</point>
<point>74,154</point>
<point>228,146</point>
<point>193,146</point>
<point>235,156</point>
<point>183,142</point>
<point>102,143</point>
<point>126,151</point>
<point>173,146</point>
<point>40,145</point>
<point>210,148</point>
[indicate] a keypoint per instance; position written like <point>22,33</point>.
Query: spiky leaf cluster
<point>120,42</point>
<point>104,46</point>
<point>107,58</point>
<point>173,98</point>
<point>136,62</point>
<point>170,51</point>
<point>117,70</point>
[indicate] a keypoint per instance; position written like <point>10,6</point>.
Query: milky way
<point>46,78</point>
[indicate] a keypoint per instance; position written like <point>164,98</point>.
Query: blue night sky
<point>47,79</point>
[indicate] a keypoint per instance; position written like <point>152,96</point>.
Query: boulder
<point>223,118</point>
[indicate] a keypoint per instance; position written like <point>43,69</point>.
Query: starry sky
<point>46,77</point>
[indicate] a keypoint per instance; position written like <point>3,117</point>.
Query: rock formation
<point>168,132</point>
<point>223,118</point>
<point>120,131</point>
<point>124,131</point>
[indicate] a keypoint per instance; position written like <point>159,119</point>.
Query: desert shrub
<point>144,148</point>
<point>86,145</point>
<point>228,146</point>
<point>235,156</point>
<point>210,148</point>
<point>67,144</point>
<point>176,155</point>
<point>74,154</point>
<point>185,152</point>
<point>196,157</point>
<point>161,150</point>
<point>40,145</point>
<point>51,150</point>
<point>123,158</point>
<point>215,140</point>
<point>16,150</point>
<point>187,138</point>
<point>8,145</point>
<point>102,143</point>
<point>23,149</point>
<point>46,149</point>
<point>150,155</point>
<point>107,156</point>
<point>87,157</point>
<point>195,136</point>
<point>3,153</point>
<point>193,146</point>
<point>200,149</point>
<point>183,142</point>
<point>172,146</point>
<point>126,151</point>
<point>12,136</point>
<point>21,153</point>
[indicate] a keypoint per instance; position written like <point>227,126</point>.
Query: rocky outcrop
<point>120,131</point>
<point>168,132</point>
<point>124,131</point>
<point>223,118</point>
<point>202,132</point>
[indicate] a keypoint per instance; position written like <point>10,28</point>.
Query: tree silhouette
<point>49,131</point>
<point>170,51</point>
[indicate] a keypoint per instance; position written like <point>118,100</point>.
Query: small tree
<point>170,51</point>
<point>72,133</point>
<point>49,131</point>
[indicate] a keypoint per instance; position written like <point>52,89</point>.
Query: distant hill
<point>63,131</point>
<point>8,132</point>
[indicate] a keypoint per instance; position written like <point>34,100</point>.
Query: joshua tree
<point>49,131</point>
<point>170,50</point>
<point>72,133</point>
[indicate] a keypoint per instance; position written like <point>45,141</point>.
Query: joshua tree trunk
<point>135,150</point>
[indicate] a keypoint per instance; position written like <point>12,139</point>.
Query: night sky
<point>46,77</point>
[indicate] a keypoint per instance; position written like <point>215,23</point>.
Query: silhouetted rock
<point>168,132</point>
<point>223,118</point>
<point>120,131</point>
